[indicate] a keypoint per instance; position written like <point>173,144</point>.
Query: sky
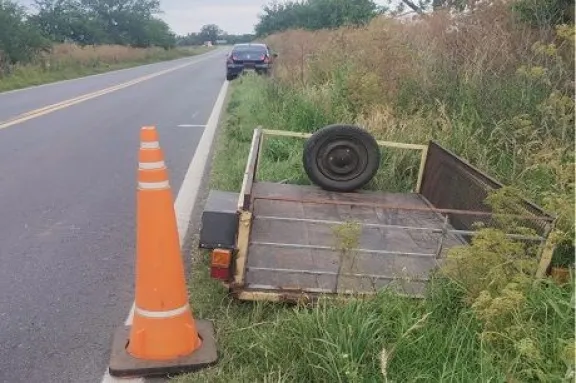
<point>233,16</point>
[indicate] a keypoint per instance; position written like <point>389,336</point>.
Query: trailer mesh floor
<point>294,245</point>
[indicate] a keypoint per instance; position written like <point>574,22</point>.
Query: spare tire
<point>341,157</point>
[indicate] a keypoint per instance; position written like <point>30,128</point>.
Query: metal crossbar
<point>390,144</point>
<point>397,227</point>
<point>397,207</point>
<point>318,247</point>
<point>332,273</point>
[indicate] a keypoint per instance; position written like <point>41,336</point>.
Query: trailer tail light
<point>220,264</point>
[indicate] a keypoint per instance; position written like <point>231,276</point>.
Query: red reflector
<point>218,273</point>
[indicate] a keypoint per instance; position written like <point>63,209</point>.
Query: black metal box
<point>219,220</point>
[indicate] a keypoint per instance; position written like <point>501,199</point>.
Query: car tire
<point>230,77</point>
<point>341,158</point>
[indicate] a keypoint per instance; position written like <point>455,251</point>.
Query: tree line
<point>327,14</point>
<point>90,22</point>
<point>136,23</point>
<point>213,33</point>
<point>84,22</point>
<point>315,14</point>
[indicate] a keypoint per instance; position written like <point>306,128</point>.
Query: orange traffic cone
<point>164,337</point>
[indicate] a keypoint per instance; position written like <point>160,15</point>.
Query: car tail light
<point>234,57</point>
<point>221,260</point>
<point>266,59</point>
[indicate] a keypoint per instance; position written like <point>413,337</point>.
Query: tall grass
<point>386,338</point>
<point>520,335</point>
<point>497,92</point>
<point>66,61</point>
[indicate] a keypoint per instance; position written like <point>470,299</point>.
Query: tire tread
<point>328,132</point>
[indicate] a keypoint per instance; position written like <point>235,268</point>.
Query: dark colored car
<point>244,57</point>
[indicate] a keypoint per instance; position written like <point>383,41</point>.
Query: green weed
<point>70,61</point>
<point>497,93</point>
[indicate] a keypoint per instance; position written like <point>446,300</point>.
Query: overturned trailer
<point>283,242</point>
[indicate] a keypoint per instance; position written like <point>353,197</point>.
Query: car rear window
<point>249,50</point>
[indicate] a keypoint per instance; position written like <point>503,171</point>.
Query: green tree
<point>122,21</point>
<point>153,32</point>
<point>189,39</point>
<point>20,41</point>
<point>61,20</point>
<point>545,13</point>
<point>237,39</point>
<point>210,32</point>
<point>539,13</point>
<point>125,22</point>
<point>315,14</point>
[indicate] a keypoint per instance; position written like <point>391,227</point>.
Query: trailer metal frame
<point>253,193</point>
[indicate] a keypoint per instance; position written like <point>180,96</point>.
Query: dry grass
<point>71,54</point>
<point>416,66</point>
<point>496,91</point>
<point>67,61</point>
<point>486,44</point>
<point>388,338</point>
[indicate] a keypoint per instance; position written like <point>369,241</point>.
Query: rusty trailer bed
<point>295,245</point>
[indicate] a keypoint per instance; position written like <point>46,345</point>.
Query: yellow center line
<point>76,100</point>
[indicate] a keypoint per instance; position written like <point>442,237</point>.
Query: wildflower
<point>522,70</point>
<point>568,353</point>
<point>537,71</point>
<point>565,32</point>
<point>551,50</point>
<point>528,349</point>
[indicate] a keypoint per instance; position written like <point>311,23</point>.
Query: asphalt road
<point>67,209</point>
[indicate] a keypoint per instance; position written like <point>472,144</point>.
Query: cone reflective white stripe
<point>151,165</point>
<point>154,185</point>
<point>161,314</point>
<point>150,145</point>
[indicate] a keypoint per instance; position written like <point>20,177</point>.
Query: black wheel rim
<point>342,159</point>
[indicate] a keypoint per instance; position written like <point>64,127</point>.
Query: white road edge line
<point>188,192</point>
<point>187,195</point>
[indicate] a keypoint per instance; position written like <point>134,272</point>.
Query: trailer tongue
<point>281,242</point>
